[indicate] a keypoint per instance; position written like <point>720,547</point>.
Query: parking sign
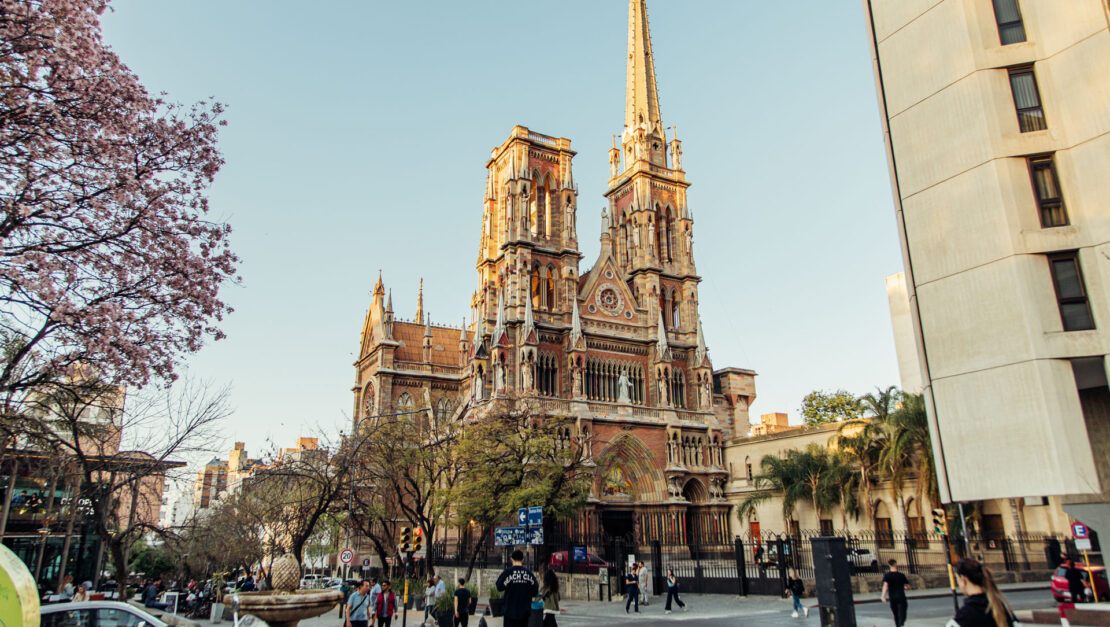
<point>1079,531</point>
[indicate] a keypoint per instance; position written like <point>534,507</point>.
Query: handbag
<point>537,604</point>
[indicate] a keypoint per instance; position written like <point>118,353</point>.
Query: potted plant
<point>496,601</point>
<point>445,610</point>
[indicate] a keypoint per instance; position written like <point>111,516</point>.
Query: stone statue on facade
<point>622,382</point>
<point>604,219</point>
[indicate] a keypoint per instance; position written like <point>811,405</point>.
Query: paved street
<point>713,610</point>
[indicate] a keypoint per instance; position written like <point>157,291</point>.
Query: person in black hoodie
<point>985,606</point>
<point>519,585</point>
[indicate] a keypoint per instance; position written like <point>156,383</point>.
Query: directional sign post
<point>1082,535</point>
<point>522,516</point>
<point>535,535</point>
<point>535,516</point>
<point>347,556</point>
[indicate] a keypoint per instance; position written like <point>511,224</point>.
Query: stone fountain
<point>285,605</point>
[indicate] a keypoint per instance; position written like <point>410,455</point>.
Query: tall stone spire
<point>420,303</point>
<point>641,96</point>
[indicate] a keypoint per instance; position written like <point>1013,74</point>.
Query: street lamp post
<point>351,490</point>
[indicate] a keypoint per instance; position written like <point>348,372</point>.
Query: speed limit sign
<point>347,556</point>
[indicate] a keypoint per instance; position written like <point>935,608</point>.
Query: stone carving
<point>604,219</point>
<point>623,393</point>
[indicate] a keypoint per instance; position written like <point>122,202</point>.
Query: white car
<point>96,614</point>
<point>310,581</point>
<point>863,559</point>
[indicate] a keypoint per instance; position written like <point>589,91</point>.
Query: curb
<point>945,592</point>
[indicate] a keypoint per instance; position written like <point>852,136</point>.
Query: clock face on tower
<point>609,300</point>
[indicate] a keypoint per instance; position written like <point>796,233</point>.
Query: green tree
<point>813,474</point>
<point>820,407</point>
<point>909,449</point>
<point>516,455</point>
<point>861,443</point>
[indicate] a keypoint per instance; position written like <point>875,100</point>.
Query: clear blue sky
<point>357,137</point>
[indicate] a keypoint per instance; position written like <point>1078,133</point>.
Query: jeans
<point>672,593</point>
<point>633,597</point>
<point>797,603</point>
<point>898,608</point>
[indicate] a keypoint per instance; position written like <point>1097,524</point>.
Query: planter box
<point>497,607</point>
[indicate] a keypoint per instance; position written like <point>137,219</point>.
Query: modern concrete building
<point>996,115</point>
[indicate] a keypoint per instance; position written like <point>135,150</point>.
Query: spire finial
<point>641,96</point>
<point>379,289</point>
<point>428,325</point>
<point>661,345</point>
<point>529,317</point>
<point>700,351</point>
<point>420,302</point>
<point>575,324</point>
<point>389,303</point>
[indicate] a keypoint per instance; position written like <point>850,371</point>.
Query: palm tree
<point>861,443</point>
<point>814,474</point>
<point>778,475</point>
<point>910,448</point>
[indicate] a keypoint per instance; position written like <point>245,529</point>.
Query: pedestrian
<point>82,594</point>
<point>645,584</point>
<point>519,585</point>
<point>797,588</point>
<point>462,604</point>
<point>672,592</point>
<point>67,587</point>
<point>895,585</point>
<point>1076,588</point>
<point>375,592</point>
<point>632,589</point>
<point>984,606</point>
<point>441,588</point>
<point>550,594</point>
<point>386,609</point>
<point>150,596</point>
<point>358,605</point>
<point>345,590</point>
<point>429,601</point>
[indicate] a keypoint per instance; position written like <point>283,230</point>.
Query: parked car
<point>1060,590</point>
<point>863,559</point>
<point>560,562</point>
<point>102,613</point>
<point>311,581</point>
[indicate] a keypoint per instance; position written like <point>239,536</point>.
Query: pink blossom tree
<point>108,255</point>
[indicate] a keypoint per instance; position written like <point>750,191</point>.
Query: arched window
<point>443,410</point>
<point>404,402</point>
<point>368,400</point>
<point>748,467</point>
<point>670,235</point>
<point>537,292</point>
<point>541,210</point>
<point>678,389</point>
<point>676,315</point>
<point>549,293</point>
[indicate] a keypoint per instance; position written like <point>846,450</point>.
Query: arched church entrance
<point>694,492</point>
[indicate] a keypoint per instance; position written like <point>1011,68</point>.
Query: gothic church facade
<point>620,347</point>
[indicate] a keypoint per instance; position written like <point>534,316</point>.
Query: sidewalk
<point>936,593</point>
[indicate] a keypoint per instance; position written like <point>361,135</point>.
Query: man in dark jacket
<point>519,585</point>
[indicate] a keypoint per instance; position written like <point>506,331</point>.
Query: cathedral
<point>619,347</point>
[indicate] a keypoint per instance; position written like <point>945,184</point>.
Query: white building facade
<point>996,115</point>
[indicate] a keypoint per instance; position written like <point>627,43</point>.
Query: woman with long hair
<point>984,606</point>
<point>550,594</point>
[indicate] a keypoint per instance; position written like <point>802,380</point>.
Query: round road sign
<point>366,562</point>
<point>1080,531</point>
<point>347,556</point>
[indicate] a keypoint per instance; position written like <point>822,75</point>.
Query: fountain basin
<point>286,609</point>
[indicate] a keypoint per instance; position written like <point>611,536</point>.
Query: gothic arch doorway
<point>694,492</point>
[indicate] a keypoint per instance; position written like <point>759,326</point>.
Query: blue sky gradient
<point>358,134</point>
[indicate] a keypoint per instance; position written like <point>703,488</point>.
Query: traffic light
<point>417,540</point>
<point>940,521</point>
<point>405,543</point>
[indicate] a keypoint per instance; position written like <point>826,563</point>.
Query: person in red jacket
<point>386,609</point>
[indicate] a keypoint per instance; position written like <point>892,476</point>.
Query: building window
<point>1027,100</point>
<point>1046,187</point>
<point>1010,28</point>
<point>1075,312</point>
<point>547,374</point>
<point>826,527</point>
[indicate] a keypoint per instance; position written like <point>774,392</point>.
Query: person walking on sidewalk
<point>550,594</point>
<point>385,610</point>
<point>672,592</point>
<point>632,588</point>
<point>519,585</point>
<point>462,604</point>
<point>357,606</point>
<point>895,585</point>
<point>984,606</point>
<point>797,589</point>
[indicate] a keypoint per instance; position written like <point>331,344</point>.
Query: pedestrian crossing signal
<point>405,543</point>
<point>417,540</point>
<point>940,521</point>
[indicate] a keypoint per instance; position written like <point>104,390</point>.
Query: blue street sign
<point>522,516</point>
<point>535,516</point>
<point>509,536</point>
<point>535,535</point>
<point>580,554</point>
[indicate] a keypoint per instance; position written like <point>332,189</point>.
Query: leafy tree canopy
<point>820,407</point>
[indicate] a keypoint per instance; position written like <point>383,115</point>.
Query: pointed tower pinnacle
<point>428,326</point>
<point>499,332</point>
<point>661,346</point>
<point>529,329</point>
<point>700,351</point>
<point>389,303</point>
<point>420,302</point>
<point>575,328</point>
<point>641,96</point>
<point>379,289</point>
<point>462,331</point>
